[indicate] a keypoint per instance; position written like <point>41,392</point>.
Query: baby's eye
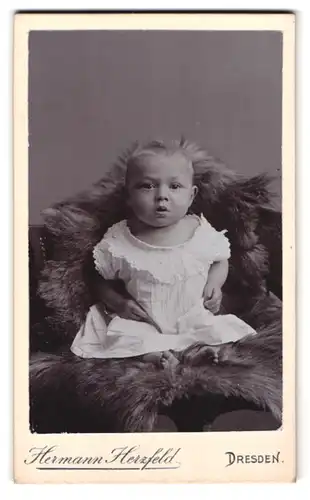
<point>175,185</point>
<point>146,185</point>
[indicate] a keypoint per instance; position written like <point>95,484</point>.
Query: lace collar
<point>148,246</point>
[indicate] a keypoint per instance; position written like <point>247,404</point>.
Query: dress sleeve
<point>105,263</point>
<point>221,246</point>
<point>218,245</point>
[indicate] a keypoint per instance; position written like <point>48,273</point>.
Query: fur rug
<point>69,394</point>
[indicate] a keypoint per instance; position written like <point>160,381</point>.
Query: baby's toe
<point>169,359</point>
<point>173,361</point>
<point>215,359</point>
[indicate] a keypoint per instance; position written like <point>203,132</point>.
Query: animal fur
<point>125,395</point>
<point>69,394</point>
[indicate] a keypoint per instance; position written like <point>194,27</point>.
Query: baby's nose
<point>162,193</point>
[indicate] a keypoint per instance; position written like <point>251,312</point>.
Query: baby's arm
<point>120,302</point>
<point>110,291</point>
<point>109,294</point>
<point>213,290</point>
<point>117,301</point>
<point>218,273</point>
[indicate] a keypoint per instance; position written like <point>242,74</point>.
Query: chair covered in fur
<point>69,394</point>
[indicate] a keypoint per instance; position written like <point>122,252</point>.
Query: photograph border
<point>191,469</point>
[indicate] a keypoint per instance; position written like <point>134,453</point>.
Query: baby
<point>173,264</point>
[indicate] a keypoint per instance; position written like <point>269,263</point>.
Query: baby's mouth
<point>161,209</point>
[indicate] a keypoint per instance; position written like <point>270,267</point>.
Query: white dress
<point>168,282</point>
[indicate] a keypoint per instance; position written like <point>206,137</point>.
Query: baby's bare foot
<point>201,354</point>
<point>153,357</point>
<point>229,353</point>
<point>214,350</point>
<point>223,353</point>
<point>164,359</point>
<point>168,359</point>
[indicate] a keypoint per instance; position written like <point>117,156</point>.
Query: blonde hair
<point>156,148</point>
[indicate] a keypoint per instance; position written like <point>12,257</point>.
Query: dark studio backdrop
<point>91,93</point>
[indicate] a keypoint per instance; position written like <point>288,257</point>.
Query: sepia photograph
<point>153,163</point>
<point>155,231</point>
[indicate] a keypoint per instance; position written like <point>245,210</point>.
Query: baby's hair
<point>200,159</point>
<point>158,148</point>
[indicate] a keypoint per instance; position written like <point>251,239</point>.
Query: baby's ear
<point>194,192</point>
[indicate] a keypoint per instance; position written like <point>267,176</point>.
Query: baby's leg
<point>169,359</point>
<point>201,353</point>
<point>213,352</point>
<point>227,353</point>
<point>164,359</point>
<point>152,357</point>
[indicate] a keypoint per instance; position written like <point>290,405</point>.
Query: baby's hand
<point>130,309</point>
<point>212,297</point>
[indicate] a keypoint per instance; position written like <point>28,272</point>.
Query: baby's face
<point>160,189</point>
